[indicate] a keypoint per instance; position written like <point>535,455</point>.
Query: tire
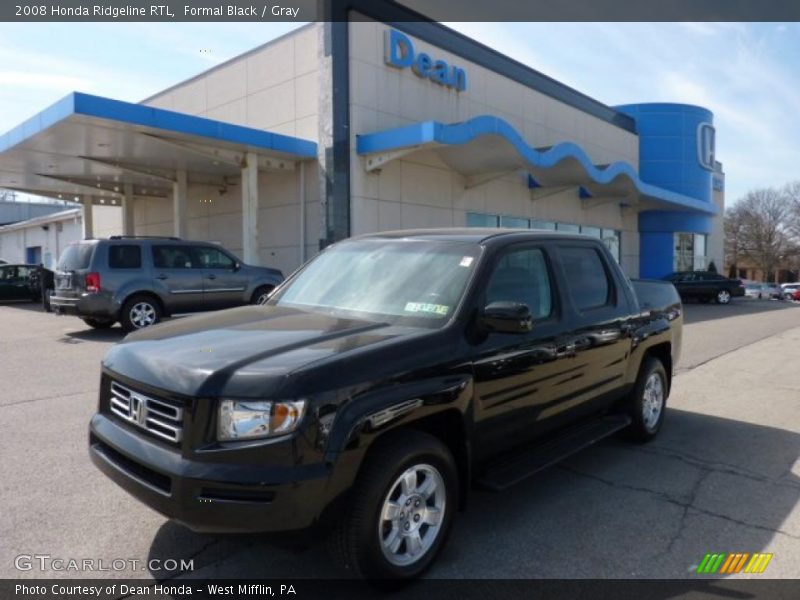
<point>98,323</point>
<point>723,297</point>
<point>644,407</point>
<point>362,540</point>
<point>46,300</point>
<point>140,311</point>
<point>260,296</point>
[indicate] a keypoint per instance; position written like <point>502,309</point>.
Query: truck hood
<point>244,352</point>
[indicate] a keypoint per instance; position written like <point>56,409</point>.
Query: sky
<point>747,74</point>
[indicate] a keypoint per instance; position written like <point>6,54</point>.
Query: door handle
<point>162,276</point>
<point>566,350</point>
<point>212,276</point>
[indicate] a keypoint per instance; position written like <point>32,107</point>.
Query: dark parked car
<point>137,280</point>
<point>706,286</point>
<point>16,283</point>
<point>383,380</point>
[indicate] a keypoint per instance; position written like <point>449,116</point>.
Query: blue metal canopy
<point>88,146</point>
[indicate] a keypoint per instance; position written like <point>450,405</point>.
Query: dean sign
<point>399,52</point>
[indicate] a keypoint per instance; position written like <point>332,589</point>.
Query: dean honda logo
<point>722,563</point>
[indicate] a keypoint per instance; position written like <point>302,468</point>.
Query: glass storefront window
<point>700,261</point>
<point>481,220</point>
<point>515,222</point>
<point>540,224</point>
<point>612,239</point>
<point>592,231</point>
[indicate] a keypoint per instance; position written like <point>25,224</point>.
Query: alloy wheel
<point>143,314</point>
<point>653,401</point>
<point>412,514</point>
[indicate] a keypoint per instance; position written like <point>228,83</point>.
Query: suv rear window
<point>75,257</point>
<point>125,256</point>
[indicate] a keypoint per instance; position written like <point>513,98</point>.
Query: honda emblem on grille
<point>138,410</point>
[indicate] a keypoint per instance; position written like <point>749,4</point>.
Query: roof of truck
<point>472,234</point>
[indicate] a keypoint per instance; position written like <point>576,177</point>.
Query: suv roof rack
<point>144,237</point>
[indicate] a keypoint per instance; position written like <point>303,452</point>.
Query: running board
<point>504,473</point>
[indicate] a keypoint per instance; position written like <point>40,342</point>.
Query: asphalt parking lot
<point>723,476</point>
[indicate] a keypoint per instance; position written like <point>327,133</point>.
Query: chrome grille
<point>161,418</point>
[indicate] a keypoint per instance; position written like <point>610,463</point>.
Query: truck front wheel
<point>400,509</point>
<point>647,402</point>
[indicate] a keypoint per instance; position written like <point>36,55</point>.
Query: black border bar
<point>409,10</point>
<point>697,588</point>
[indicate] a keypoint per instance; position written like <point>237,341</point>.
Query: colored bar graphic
<point>732,563</point>
<point>704,563</point>
<point>740,563</point>
<point>732,559</point>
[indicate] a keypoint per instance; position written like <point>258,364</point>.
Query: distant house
<point>42,238</point>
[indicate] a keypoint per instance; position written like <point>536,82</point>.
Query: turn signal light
<point>93,283</point>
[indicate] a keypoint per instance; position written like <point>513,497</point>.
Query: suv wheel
<point>139,312</point>
<point>648,401</point>
<point>400,509</point>
<point>98,323</point>
<point>724,297</point>
<point>261,295</point>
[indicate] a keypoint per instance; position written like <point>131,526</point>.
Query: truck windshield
<point>410,281</point>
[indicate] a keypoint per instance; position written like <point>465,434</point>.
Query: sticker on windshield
<point>466,261</point>
<point>423,307</point>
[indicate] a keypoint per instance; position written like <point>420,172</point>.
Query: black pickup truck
<point>381,382</point>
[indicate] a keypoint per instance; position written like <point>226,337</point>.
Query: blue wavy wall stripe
<point>455,134</point>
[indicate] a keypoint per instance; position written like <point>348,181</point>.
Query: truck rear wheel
<point>98,323</point>
<point>647,402</point>
<point>400,509</point>
<point>140,311</point>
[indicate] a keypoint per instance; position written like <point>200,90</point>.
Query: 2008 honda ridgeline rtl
<point>382,381</point>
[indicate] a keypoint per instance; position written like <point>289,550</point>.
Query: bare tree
<point>733,225</point>
<point>765,236</point>
<point>792,192</point>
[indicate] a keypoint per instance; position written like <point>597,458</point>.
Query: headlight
<point>249,419</point>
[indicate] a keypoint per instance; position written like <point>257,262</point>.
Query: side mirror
<point>507,317</point>
<point>236,266</point>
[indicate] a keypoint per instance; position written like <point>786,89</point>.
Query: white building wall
<point>53,236</point>
<point>275,88</point>
<point>716,243</point>
<point>419,190</point>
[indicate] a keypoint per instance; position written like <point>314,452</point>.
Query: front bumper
<point>208,496</point>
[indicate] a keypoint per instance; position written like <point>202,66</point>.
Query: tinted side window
<point>124,256</point>
<point>14,273</point>
<point>211,258</point>
<point>587,280</point>
<point>522,276</point>
<point>172,257</point>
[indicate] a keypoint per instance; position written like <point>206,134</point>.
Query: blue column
<point>676,152</point>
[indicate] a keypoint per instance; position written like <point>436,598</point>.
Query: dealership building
<point>372,123</point>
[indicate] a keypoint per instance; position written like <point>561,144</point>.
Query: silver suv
<point>139,280</point>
